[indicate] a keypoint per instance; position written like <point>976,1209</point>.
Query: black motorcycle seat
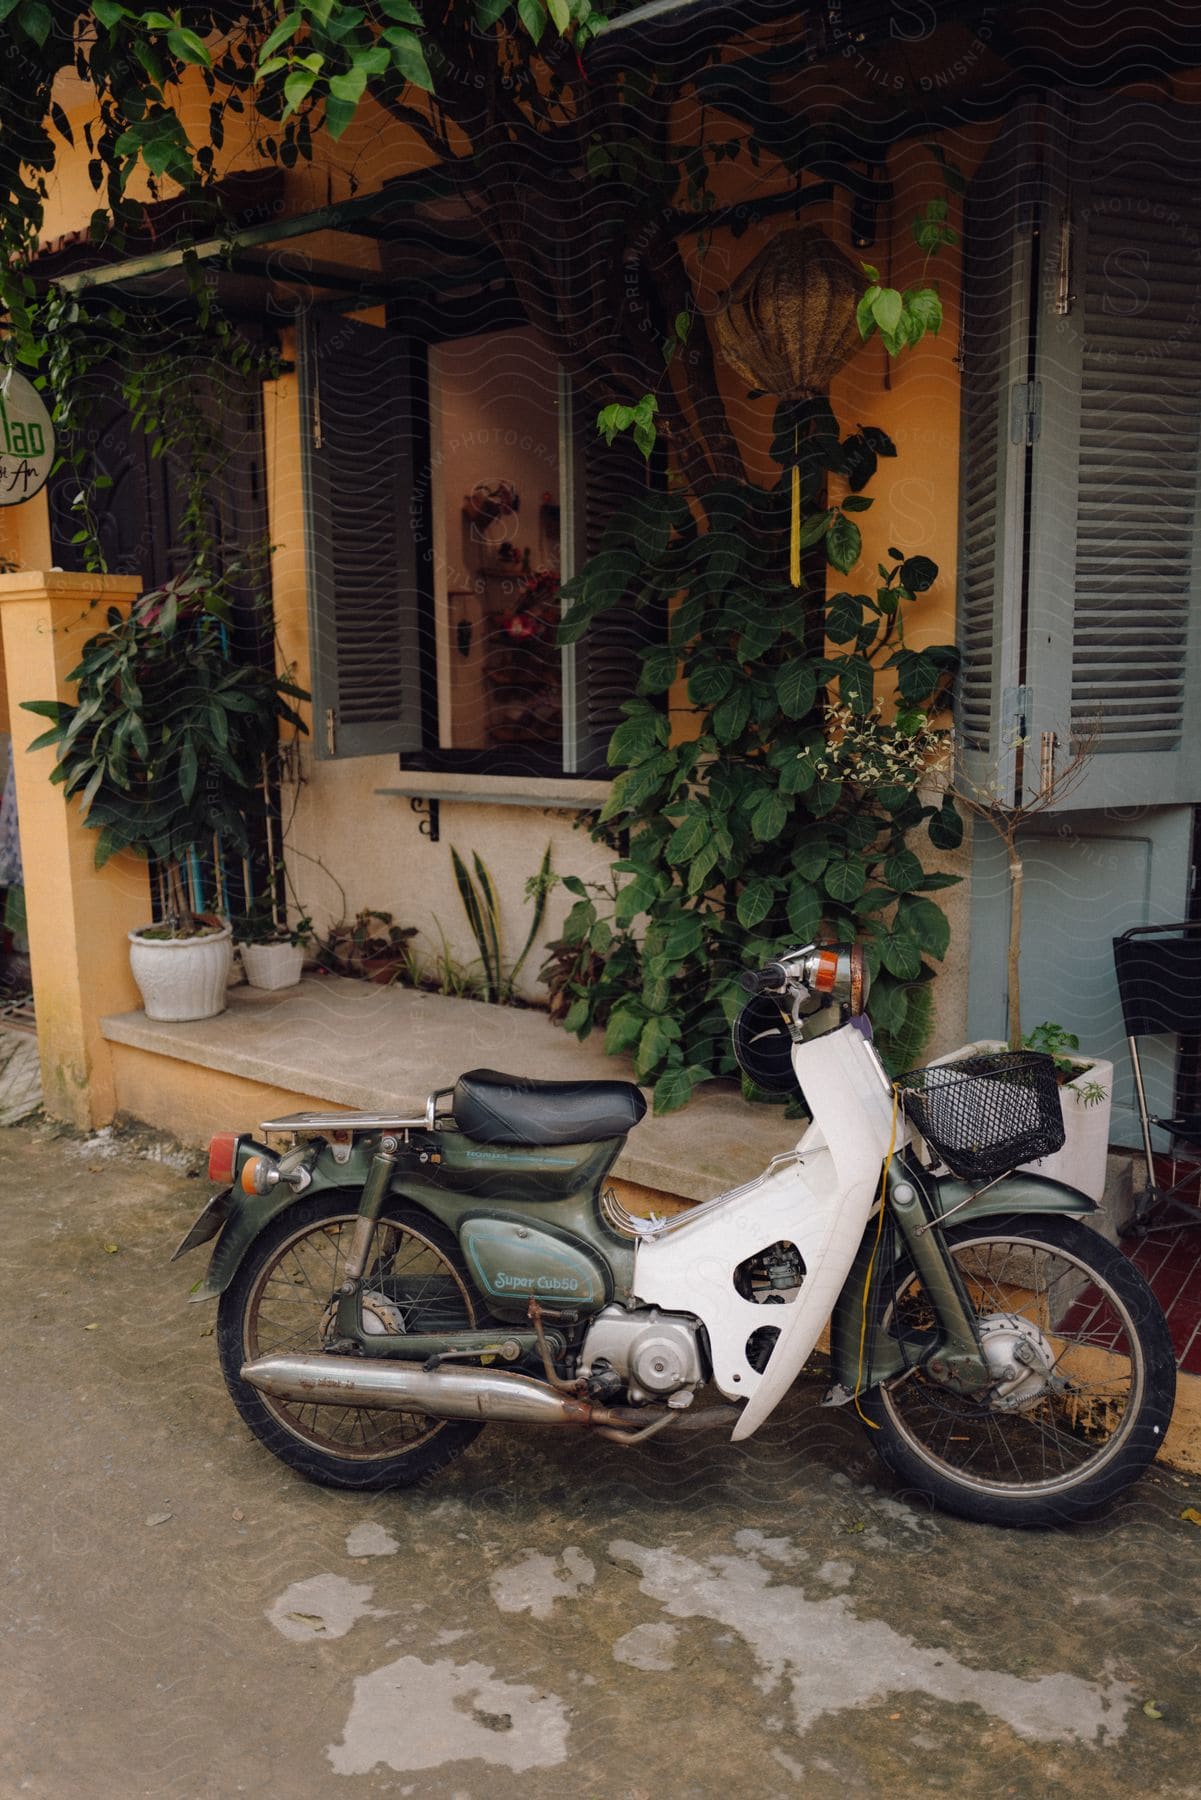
<point>507,1109</point>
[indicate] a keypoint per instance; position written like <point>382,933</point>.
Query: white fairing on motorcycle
<point>819,1202</point>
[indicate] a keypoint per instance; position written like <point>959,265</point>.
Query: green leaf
<point>804,911</point>
<point>405,13</point>
<point>296,87</point>
<point>624,1027</point>
<point>888,1006</point>
<point>845,878</point>
<point>577,1019</point>
<point>688,837</point>
<point>755,902</point>
<point>659,669</point>
<point>408,57</point>
<point>286,29</point>
<point>924,305</point>
<point>797,775</point>
<point>632,740</point>
<point>844,541</point>
<point>796,687</point>
<point>903,871</point>
<point>338,115</point>
<point>844,617</point>
<point>532,14</point>
<point>769,818</point>
<point>918,573</point>
<point>946,827</point>
<point>928,923</point>
<point>560,14</point>
<point>901,955</point>
<point>635,898</point>
<point>865,313</point>
<point>729,720</point>
<point>675,1087</point>
<point>886,309</point>
<point>188,770</point>
<point>653,1044</point>
<point>349,87</point>
<point>856,683</point>
<point>108,12</point>
<point>188,47</point>
<point>683,936</point>
<point>487,12</point>
<point>917,675</point>
<point>703,865</point>
<point>856,503</point>
<point>710,683</point>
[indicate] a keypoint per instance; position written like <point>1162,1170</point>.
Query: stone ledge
<point>360,1046</point>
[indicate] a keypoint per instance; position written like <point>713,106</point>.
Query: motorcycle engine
<point>650,1353</point>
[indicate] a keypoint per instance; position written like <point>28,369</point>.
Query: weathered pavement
<point>183,1617</point>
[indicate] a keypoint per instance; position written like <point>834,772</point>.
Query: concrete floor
<point>184,1617</point>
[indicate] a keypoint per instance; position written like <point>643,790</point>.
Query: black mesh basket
<point>986,1114</point>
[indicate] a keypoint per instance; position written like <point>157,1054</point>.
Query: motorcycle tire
<point>1086,1370</point>
<point>282,1299</point>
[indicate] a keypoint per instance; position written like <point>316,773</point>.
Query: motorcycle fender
<point>1022,1192</point>
<point>249,1214</point>
<point>1018,1193</point>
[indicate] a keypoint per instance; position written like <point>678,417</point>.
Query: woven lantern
<point>788,325</point>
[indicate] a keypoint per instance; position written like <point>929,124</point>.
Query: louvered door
<point>1114,574</point>
<point>995,412</point>
<point>358,431</point>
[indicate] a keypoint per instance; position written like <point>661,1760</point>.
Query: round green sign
<point>26,440</point>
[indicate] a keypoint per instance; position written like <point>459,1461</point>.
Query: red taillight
<point>223,1156</point>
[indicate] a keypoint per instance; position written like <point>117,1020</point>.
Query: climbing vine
<point>791,804</point>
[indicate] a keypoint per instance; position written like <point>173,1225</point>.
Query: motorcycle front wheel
<point>1084,1374</point>
<point>283,1298</point>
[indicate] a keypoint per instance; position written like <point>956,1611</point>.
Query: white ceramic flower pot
<point>182,978</point>
<point>272,965</point>
<point>1081,1162</point>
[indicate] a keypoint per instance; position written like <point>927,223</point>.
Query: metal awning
<point>411,241</point>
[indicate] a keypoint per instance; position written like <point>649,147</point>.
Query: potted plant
<point>272,954</point>
<point>372,947</point>
<point>164,747</point>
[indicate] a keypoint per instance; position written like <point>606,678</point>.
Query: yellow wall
<point>350,847</point>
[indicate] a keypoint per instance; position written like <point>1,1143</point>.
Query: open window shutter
<point>358,435</point>
<point>604,479</point>
<point>998,236</point>
<point>1114,570</point>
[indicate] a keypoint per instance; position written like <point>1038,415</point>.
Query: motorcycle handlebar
<point>768,980</point>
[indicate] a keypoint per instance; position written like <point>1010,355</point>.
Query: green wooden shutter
<point>600,480</point>
<point>1114,570</point>
<point>358,439</point>
<point>994,347</point>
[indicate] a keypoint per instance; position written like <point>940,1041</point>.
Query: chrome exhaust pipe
<point>460,1393</point>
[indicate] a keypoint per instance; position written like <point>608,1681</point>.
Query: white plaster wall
<point>373,845</point>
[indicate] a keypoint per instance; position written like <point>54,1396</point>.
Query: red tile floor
<point>1170,1257</point>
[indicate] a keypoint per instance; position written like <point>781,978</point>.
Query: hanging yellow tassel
<point>794,563</point>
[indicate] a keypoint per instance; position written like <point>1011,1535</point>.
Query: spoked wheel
<point>284,1299</point>
<point>1084,1377</point>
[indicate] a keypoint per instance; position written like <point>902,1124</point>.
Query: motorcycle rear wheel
<point>280,1301</point>
<point>1095,1378</point>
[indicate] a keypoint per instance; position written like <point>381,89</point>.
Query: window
<point>1079,563</point>
<point>450,487</point>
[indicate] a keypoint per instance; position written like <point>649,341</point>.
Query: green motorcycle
<point>387,1286</point>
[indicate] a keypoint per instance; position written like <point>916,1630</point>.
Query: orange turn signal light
<point>825,971</point>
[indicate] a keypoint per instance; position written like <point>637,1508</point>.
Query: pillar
<point>78,915</point>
